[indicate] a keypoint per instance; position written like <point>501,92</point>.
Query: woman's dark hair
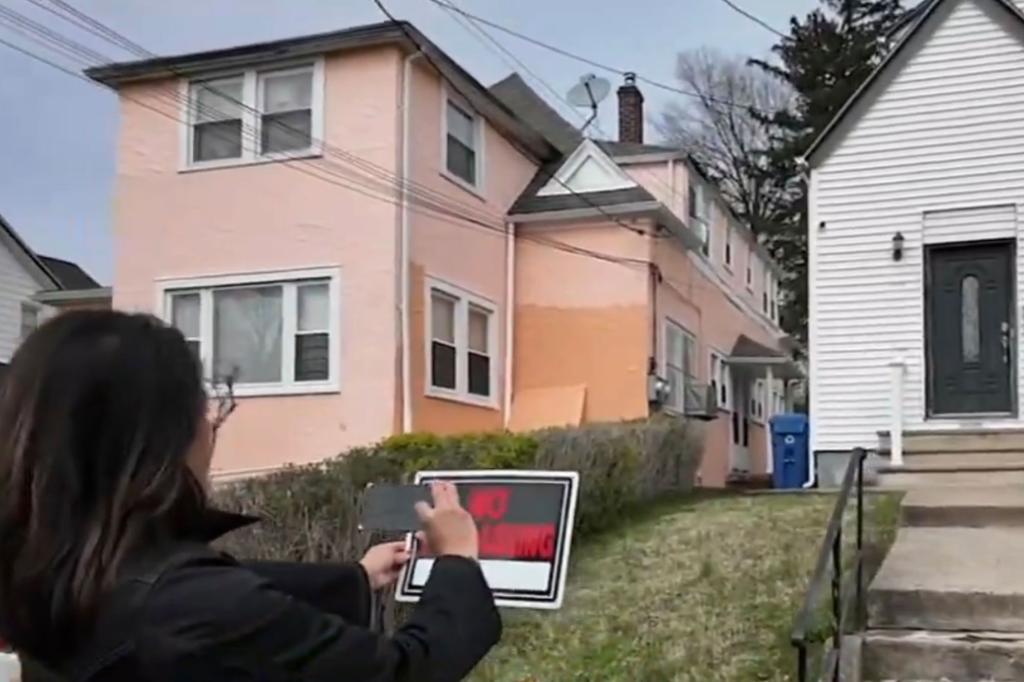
<point>98,412</point>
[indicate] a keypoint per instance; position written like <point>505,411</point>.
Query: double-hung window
<point>462,349</point>
<point>270,334</point>
<point>680,349</point>
<point>720,380</point>
<point>255,115</point>
<point>700,215</point>
<point>728,246</point>
<point>462,142</point>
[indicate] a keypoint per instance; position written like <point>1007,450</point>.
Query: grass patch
<point>699,589</point>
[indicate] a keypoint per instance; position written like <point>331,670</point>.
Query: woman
<point>105,571</point>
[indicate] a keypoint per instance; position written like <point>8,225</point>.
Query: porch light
<point>897,247</point>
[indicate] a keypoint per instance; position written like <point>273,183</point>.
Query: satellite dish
<point>588,93</point>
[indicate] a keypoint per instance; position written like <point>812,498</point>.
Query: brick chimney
<point>631,111</point>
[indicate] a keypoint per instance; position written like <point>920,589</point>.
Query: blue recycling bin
<point>790,449</point>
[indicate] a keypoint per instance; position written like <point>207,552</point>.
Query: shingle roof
<point>28,253</point>
<point>746,347</point>
<point>613,148</point>
<point>536,112</point>
<point>69,275</point>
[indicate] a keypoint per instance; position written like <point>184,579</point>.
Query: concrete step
<point>1009,459</point>
<point>948,656</point>
<point>936,477</point>
<point>959,440</point>
<point>988,507</point>
<point>951,579</point>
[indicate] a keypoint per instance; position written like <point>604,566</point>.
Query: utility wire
<point>549,175</point>
<point>446,215</point>
<point>591,62</point>
<point>754,18</point>
<point>506,55</point>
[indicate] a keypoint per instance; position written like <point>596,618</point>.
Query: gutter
<point>404,313</point>
<point>68,295</point>
<point>510,289</point>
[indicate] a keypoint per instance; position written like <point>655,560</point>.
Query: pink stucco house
<point>373,242</point>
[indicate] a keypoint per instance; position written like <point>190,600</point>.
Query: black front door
<point>970,323</point>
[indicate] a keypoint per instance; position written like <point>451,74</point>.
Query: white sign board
<point>525,520</point>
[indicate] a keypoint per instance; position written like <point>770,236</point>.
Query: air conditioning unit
<point>700,401</point>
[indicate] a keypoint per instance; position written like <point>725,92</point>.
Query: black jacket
<point>186,612</point>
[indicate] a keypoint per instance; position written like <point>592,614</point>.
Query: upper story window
<point>275,333</point>
<point>775,300</point>
<point>255,115</point>
<point>700,215</point>
<point>29,319</point>
<point>463,142</point>
<point>766,291</point>
<point>728,245</point>
<point>750,269</point>
<point>463,345</point>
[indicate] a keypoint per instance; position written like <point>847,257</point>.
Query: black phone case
<point>392,508</point>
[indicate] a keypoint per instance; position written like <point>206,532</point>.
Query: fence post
<point>861,455</point>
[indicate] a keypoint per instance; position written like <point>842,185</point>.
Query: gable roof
<point>399,33</point>
<point>69,275</point>
<point>27,256</point>
<point>922,14</point>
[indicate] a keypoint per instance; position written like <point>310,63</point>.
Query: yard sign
<point>525,520</point>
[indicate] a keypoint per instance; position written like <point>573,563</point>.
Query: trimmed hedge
<point>311,513</point>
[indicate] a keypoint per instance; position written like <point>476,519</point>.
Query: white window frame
<point>290,280</point>
<point>479,135</point>
<point>251,119</point>
<point>669,324</point>
<point>727,253</point>
<point>722,376</point>
<point>757,401</point>
<point>464,300</point>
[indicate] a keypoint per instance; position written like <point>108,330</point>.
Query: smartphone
<point>392,508</point>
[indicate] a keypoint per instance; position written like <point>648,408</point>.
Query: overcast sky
<point>57,134</point>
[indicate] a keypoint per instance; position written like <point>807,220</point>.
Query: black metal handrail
<point>830,567</point>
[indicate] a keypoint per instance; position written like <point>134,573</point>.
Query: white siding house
<point>930,153</point>
<point>22,276</point>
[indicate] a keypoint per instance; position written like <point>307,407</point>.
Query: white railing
<point>897,369</point>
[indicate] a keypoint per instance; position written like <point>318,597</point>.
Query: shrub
<point>311,513</point>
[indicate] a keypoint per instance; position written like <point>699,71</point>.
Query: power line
<point>551,176</point>
<point>754,18</point>
<point>446,215</point>
<point>506,55</point>
<point>591,62</point>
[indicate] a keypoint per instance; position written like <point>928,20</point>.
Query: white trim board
<point>588,169</point>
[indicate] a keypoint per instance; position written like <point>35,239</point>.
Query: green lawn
<point>701,590</point>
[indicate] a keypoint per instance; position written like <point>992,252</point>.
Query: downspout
<point>406,323</point>
<point>510,305</point>
<point>812,245</point>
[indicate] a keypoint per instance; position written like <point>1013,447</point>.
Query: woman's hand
<point>448,528</point>
<point>384,562</point>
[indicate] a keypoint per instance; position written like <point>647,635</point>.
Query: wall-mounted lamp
<point>821,225</point>
<point>897,246</point>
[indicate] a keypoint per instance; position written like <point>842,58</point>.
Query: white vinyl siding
<point>17,286</point>
<point>942,132</point>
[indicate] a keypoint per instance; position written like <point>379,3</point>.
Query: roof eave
<point>634,208</point>
<point>74,295</point>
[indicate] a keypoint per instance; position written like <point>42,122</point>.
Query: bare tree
<point>727,129</point>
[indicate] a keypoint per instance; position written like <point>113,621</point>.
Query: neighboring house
<point>372,242</point>
<point>32,287</point>
<point>915,268</point>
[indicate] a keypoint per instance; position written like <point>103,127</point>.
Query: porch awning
<point>752,355</point>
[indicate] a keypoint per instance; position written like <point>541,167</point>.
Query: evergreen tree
<point>825,58</point>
